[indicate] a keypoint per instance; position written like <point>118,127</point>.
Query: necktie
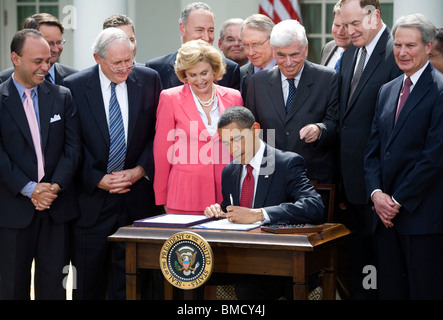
<point>117,150</point>
<point>358,72</point>
<point>337,65</point>
<point>291,94</point>
<point>49,78</point>
<point>35,132</point>
<point>403,96</point>
<point>247,191</point>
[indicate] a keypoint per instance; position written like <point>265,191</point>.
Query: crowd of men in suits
<point>390,187</point>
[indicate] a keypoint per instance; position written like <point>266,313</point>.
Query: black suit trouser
<point>47,243</point>
<point>100,264</point>
<point>410,266</point>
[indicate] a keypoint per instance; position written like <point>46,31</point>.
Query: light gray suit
<point>328,52</point>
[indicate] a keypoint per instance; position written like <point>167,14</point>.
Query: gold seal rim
<point>208,268</point>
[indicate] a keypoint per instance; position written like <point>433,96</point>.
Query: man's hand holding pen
<point>235,214</point>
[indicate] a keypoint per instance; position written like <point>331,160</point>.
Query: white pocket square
<point>56,118</point>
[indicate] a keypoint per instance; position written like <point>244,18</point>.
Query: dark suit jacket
<point>144,89</point>
<point>18,162</point>
<point>246,72</point>
<point>316,102</point>
<point>165,66</point>
<point>355,120</point>
<point>405,160</point>
<point>61,72</point>
<point>283,189</point>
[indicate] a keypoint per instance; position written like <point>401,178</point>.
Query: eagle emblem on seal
<point>186,257</point>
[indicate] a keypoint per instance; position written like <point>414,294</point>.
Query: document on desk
<point>172,221</point>
<point>224,224</point>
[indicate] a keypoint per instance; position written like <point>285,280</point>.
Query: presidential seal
<point>186,260</point>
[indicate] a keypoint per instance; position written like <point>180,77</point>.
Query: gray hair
<point>106,38</point>
<point>288,32</point>
<point>439,40</point>
<point>259,22</point>
<point>228,23</point>
<point>419,21</point>
<point>193,6</point>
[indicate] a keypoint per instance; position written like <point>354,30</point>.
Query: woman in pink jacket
<point>189,156</point>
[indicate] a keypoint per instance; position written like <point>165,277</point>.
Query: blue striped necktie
<point>337,65</point>
<point>117,150</point>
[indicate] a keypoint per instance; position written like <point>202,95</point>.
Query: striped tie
<point>337,65</point>
<point>35,132</point>
<point>117,150</point>
<point>358,72</point>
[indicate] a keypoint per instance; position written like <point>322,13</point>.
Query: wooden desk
<point>253,252</point>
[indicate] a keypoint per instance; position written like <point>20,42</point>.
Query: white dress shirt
<point>285,84</point>
<point>256,163</point>
<point>121,91</point>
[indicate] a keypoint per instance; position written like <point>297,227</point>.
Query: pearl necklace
<point>210,101</point>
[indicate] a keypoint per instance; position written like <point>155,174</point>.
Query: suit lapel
<point>13,103</point>
<point>95,99</point>
<point>134,94</point>
<point>275,91</point>
<point>330,54</point>
<point>347,72</point>
<point>420,90</point>
<point>59,73</point>
<point>45,102</point>
<point>173,79</point>
<point>188,106</point>
<point>392,105</point>
<point>265,177</point>
<point>303,91</point>
<point>371,66</point>
<point>236,174</point>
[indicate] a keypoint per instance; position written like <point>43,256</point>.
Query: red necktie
<point>247,191</point>
<point>35,132</point>
<point>403,96</point>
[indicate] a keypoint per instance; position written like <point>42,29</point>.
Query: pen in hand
<point>232,199</point>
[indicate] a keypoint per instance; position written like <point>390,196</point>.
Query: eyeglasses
<point>121,70</point>
<point>253,46</point>
<point>58,43</point>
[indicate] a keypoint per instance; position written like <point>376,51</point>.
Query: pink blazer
<point>188,161</point>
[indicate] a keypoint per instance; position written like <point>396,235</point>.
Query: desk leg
<point>330,285</point>
<point>132,287</point>
<point>300,278</point>
<point>168,291</point>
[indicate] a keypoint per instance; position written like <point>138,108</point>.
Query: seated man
<point>262,184</point>
<point>281,192</point>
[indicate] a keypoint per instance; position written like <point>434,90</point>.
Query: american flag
<point>279,10</point>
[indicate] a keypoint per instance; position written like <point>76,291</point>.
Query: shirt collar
<point>21,88</point>
<point>416,76</point>
<point>269,66</point>
<point>51,72</point>
<point>371,46</point>
<point>297,78</point>
<point>257,160</point>
<point>105,82</point>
